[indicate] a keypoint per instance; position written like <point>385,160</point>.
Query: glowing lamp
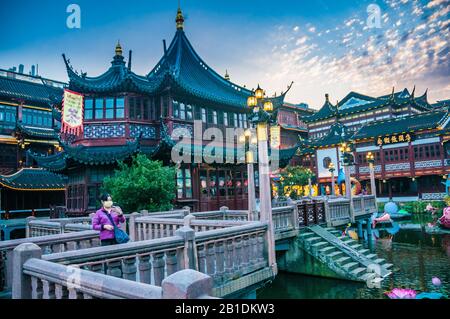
<point>259,93</point>
<point>268,106</point>
<point>252,101</point>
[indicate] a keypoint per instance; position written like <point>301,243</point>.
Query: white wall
<point>321,155</point>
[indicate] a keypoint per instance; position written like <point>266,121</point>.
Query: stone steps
<point>350,266</point>
<point>358,271</point>
<point>335,250</point>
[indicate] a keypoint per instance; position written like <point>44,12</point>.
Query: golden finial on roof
<point>227,76</point>
<point>118,48</point>
<point>180,19</point>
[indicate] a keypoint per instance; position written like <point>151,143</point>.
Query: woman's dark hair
<point>104,197</point>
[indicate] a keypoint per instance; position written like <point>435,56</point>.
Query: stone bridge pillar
<point>21,284</point>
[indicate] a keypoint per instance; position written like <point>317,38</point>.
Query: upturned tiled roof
<point>29,92</point>
<point>33,179</point>
<point>413,123</point>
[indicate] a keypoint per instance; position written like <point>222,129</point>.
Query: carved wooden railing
<point>49,244</point>
<point>310,212</point>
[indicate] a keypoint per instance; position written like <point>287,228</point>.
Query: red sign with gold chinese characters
<point>394,138</point>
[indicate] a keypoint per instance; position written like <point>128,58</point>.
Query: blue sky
<point>323,46</point>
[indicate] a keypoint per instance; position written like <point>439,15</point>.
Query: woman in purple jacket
<point>102,220</point>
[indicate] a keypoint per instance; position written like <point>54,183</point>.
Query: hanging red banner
<point>72,113</point>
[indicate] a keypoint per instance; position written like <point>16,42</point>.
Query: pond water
<point>416,256</point>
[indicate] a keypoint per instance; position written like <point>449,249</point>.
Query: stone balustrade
<point>49,244</point>
<point>145,228</point>
<point>34,278</point>
<point>233,252</point>
<point>337,211</point>
<point>285,221</point>
<point>225,253</point>
<point>224,214</point>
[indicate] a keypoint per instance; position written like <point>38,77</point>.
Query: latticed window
<point>88,109</point>
<point>184,183</point>
<point>109,108</point>
<point>8,116</point>
<point>120,108</point>
<point>98,109</point>
<point>37,117</point>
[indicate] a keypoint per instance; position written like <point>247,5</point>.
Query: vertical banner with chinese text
<point>72,113</point>
<point>275,138</point>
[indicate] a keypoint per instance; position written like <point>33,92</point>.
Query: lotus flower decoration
<point>401,293</point>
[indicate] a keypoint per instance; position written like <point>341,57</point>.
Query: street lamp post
<point>249,160</point>
<point>371,160</point>
<point>347,162</point>
<point>331,168</point>
<point>263,115</point>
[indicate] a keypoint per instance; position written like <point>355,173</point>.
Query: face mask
<point>108,204</point>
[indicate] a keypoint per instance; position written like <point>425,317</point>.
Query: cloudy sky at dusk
<point>324,46</point>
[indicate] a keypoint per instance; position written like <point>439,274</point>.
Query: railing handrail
<point>88,281</point>
<point>49,239</point>
<point>282,209</point>
<point>250,227</point>
<point>193,222</point>
<point>105,252</point>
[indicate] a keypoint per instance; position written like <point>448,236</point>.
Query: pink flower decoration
<point>401,293</point>
<point>436,281</point>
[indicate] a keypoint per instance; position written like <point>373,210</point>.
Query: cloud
<point>435,3</point>
<point>355,57</point>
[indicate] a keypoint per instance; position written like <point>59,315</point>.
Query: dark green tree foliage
<point>145,184</point>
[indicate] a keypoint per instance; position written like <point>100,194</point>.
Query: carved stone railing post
<point>129,268</point>
<point>132,226</point>
<point>228,259</point>
<point>210,259</point>
<point>145,267</point>
<point>158,268</point>
<point>190,248</point>
<point>326,207</point>
<point>28,233</point>
<point>294,214</point>
<point>220,262</point>
<point>21,283</point>
<point>224,210</point>
<point>187,284</point>
<point>187,210</point>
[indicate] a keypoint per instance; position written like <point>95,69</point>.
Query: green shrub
<point>145,184</point>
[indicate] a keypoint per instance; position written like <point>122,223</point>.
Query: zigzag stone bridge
<point>178,254</point>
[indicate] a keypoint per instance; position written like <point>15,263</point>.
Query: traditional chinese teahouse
<point>407,136</point>
<point>126,113</point>
<point>28,120</point>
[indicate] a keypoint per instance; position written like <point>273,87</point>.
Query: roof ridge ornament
<point>227,76</point>
<point>179,19</point>
<point>118,48</point>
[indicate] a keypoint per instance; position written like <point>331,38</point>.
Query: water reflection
<point>416,256</point>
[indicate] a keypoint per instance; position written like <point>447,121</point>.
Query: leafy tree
<point>145,184</point>
<point>294,176</point>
